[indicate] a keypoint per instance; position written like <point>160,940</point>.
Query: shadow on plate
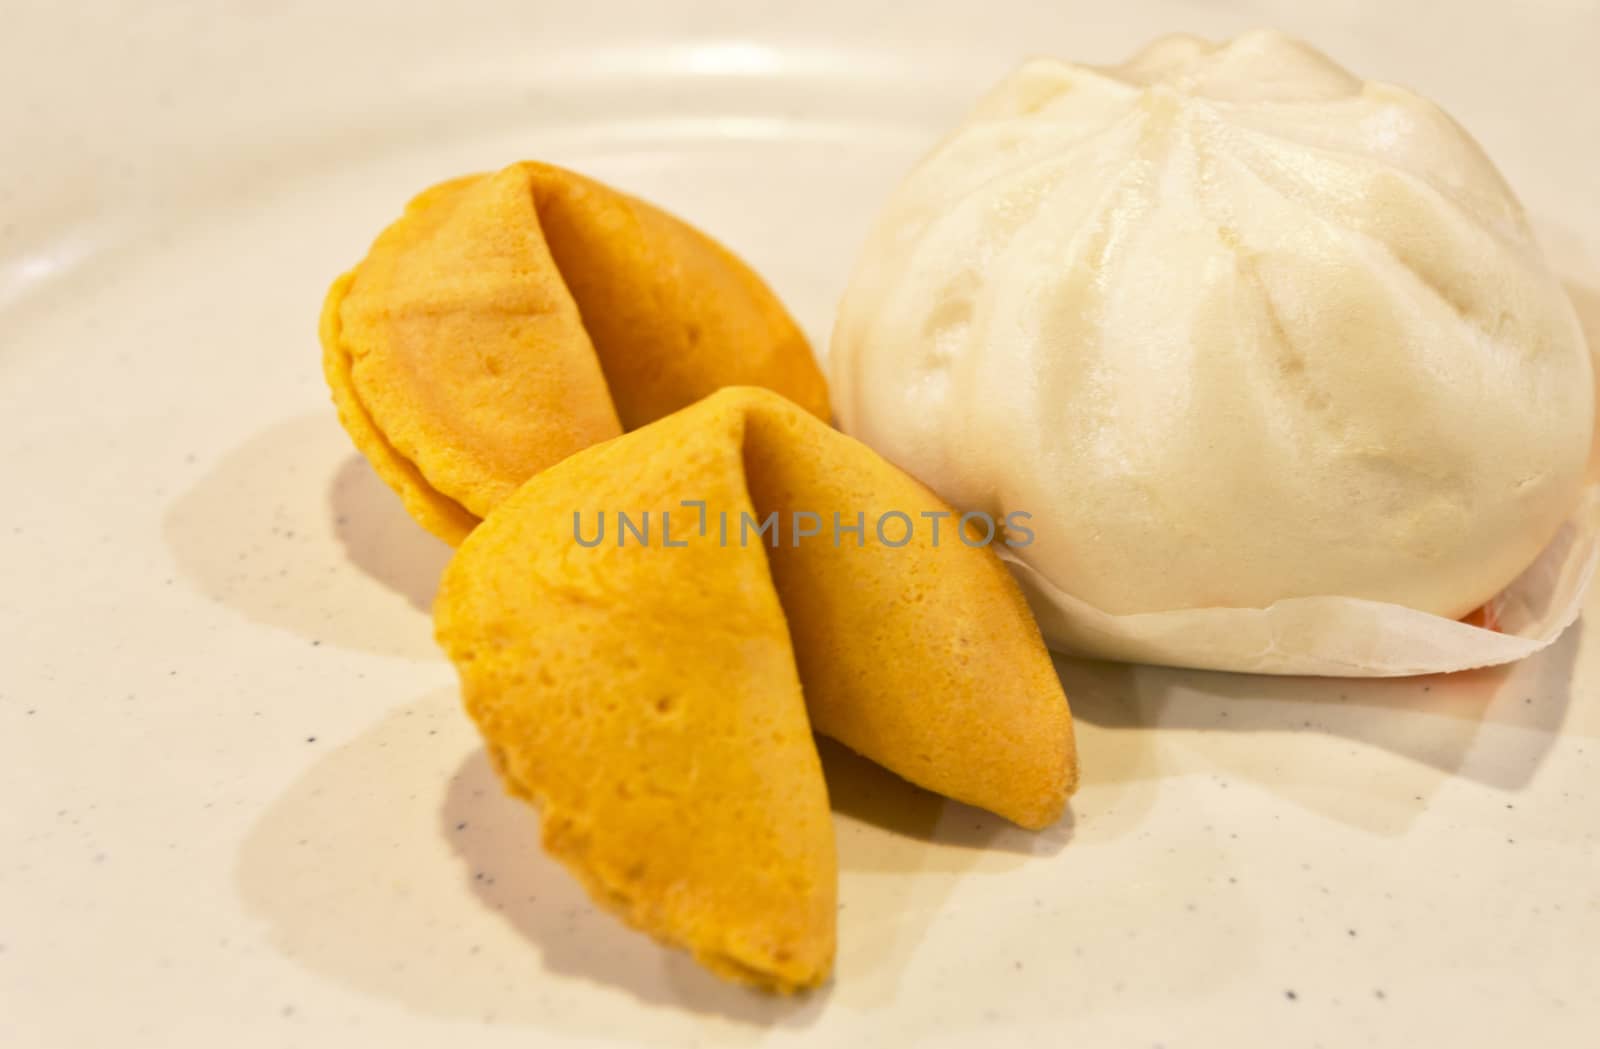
<point>496,838</point>
<point>349,872</point>
<point>866,793</point>
<point>381,539</point>
<point>266,533</point>
<point>884,825</point>
<point>1368,753</point>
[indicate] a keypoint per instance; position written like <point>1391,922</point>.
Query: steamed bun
<point>1233,326</point>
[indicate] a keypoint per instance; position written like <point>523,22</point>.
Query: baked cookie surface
<point>511,319</point>
<point>653,690</point>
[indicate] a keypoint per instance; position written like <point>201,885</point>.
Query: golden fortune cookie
<point>509,320</point>
<point>656,700</point>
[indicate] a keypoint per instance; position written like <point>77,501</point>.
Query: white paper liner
<point>1336,636</point>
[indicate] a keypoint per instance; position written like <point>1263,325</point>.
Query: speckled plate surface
<point>241,805</point>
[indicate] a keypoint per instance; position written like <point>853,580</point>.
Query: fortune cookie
<point>509,320</point>
<point>653,688</point>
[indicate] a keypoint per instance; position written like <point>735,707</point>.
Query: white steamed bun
<point>1231,325</point>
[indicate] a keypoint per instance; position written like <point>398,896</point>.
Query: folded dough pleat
<point>923,657</point>
<point>466,347</point>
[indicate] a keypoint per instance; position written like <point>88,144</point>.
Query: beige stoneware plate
<point>241,806</point>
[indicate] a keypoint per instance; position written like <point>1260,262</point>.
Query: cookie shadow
<point>870,794</point>
<point>496,838</point>
<point>883,825</point>
<point>274,528</point>
<point>381,539</point>
<point>396,865</point>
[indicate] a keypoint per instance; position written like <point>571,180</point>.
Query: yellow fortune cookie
<point>654,689</point>
<point>509,320</point>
